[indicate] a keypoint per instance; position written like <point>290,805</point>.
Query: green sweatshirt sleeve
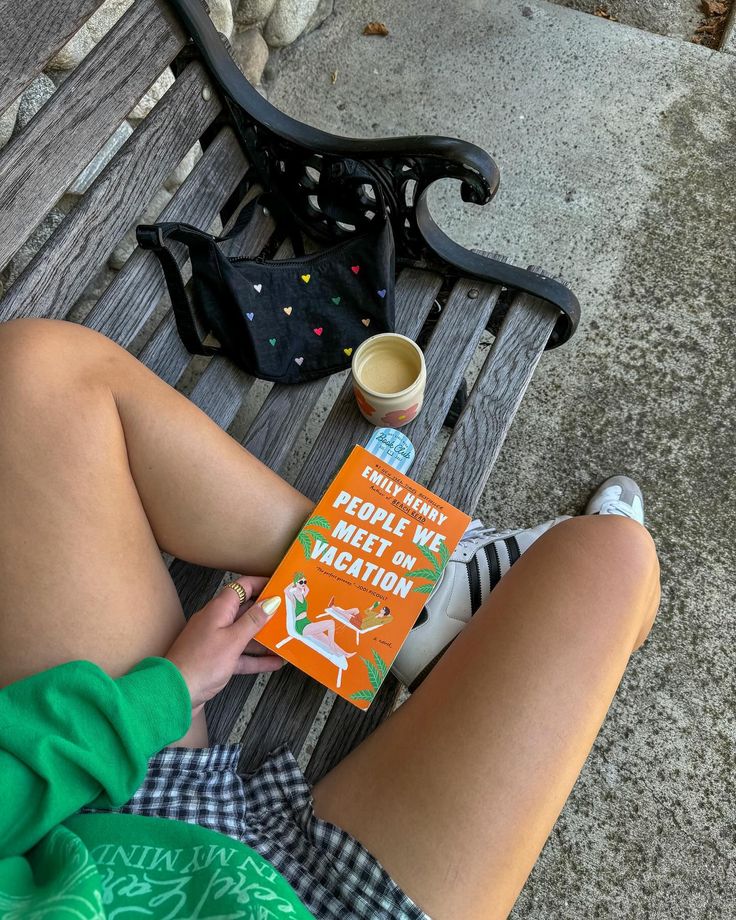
<point>72,735</point>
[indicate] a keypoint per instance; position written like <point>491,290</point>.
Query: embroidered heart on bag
<point>257,288</point>
<point>336,300</point>
<point>366,322</point>
<point>355,269</point>
<point>381,293</point>
<point>272,341</point>
<point>305,278</point>
<point>348,351</point>
<point>287,310</point>
<point>249,315</point>
<point>299,361</point>
<point>318,331</point>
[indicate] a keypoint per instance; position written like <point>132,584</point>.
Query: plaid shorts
<point>270,810</point>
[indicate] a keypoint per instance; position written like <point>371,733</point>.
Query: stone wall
<point>255,29</point>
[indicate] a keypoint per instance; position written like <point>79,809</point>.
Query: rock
<point>98,24</point>
<point>31,246</point>
<point>221,13</point>
<point>251,54</point>
<point>34,97</point>
<point>151,97</point>
<point>324,10</point>
<point>7,122</point>
<point>250,12</point>
<point>288,20</point>
<point>175,179</point>
<point>92,170</point>
<point>128,243</point>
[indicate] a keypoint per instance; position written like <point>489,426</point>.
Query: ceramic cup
<point>389,377</point>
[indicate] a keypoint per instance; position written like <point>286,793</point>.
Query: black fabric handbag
<point>288,321</point>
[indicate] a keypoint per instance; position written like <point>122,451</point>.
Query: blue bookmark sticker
<point>392,447</point>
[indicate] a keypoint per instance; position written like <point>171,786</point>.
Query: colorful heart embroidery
<point>381,293</point>
<point>272,341</point>
<point>249,315</point>
<point>305,278</point>
<point>355,269</point>
<point>336,300</point>
<point>318,331</point>
<point>257,288</point>
<point>287,310</point>
<point>299,361</point>
<point>366,322</point>
<point>348,351</point>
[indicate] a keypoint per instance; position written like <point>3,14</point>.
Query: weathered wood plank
<point>133,294</point>
<point>274,723</point>
<point>60,271</point>
<point>39,164</point>
<point>476,441</point>
<point>30,34</point>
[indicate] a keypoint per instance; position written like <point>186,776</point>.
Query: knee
<point>36,354</point>
<point>624,550</point>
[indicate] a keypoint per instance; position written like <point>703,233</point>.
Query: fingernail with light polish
<point>270,605</point>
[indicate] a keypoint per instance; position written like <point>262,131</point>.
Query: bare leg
<point>483,756</point>
<point>324,631</point>
<point>101,463</point>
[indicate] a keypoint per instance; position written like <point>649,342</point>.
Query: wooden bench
<point>39,165</point>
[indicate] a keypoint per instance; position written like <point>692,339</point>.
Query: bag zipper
<point>261,259</point>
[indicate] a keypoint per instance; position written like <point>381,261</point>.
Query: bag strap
<point>153,236</point>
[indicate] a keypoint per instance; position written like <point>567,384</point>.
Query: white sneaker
<point>618,495</point>
<point>481,559</point>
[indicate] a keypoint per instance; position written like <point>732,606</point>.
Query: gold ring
<point>239,590</point>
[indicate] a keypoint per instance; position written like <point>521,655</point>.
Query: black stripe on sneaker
<point>476,598</point>
<point>512,545</point>
<point>494,566</point>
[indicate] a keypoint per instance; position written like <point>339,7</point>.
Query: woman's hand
<point>218,642</point>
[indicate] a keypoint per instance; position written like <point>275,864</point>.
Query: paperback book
<point>358,574</point>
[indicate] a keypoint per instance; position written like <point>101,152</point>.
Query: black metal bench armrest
<point>327,182</point>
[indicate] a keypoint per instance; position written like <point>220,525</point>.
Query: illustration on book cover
<point>358,574</point>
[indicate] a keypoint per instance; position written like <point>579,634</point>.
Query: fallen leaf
<point>375,28</point>
<point>714,7</point>
<point>333,77</point>
<point>602,11</point>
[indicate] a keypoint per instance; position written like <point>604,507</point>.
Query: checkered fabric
<point>270,810</point>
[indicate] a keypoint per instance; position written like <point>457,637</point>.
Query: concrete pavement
<point>618,159</point>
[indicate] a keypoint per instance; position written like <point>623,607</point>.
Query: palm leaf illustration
<point>363,695</point>
<point>429,556</point>
<point>307,536</point>
<point>438,563</point>
<point>317,521</point>
<point>422,573</point>
<point>374,675</point>
<point>380,664</point>
<point>306,543</point>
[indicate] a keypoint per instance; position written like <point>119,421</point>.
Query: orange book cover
<point>358,574</point>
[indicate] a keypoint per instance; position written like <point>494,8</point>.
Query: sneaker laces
<point>614,506</point>
<point>475,533</point>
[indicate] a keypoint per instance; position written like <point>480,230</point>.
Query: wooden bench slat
<point>494,399</point>
<point>134,292</point>
<point>32,32</point>
<point>39,164</point>
<point>60,271</point>
<point>273,724</point>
